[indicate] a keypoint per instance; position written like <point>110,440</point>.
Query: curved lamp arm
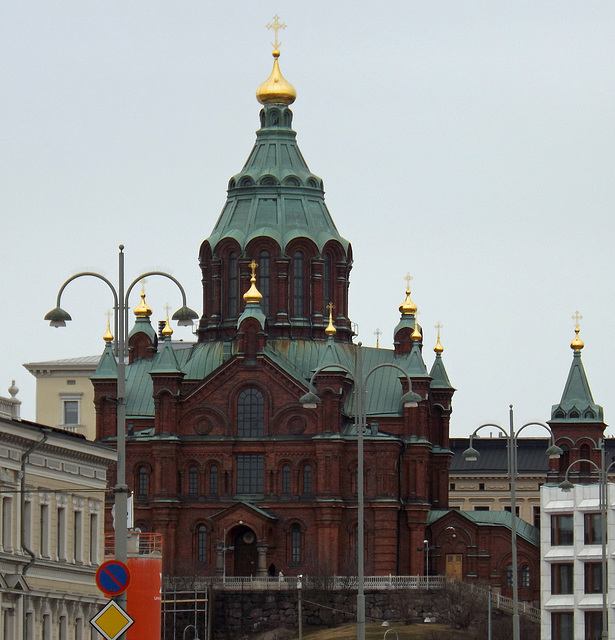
<point>554,452</point>
<point>471,454</point>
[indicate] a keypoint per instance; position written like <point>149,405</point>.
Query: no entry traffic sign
<point>113,577</point>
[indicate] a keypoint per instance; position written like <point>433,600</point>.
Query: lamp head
<point>58,317</point>
<point>185,316</point>
<point>554,452</point>
<point>310,400</point>
<point>470,454</point>
<point>566,486</point>
<point>411,399</point>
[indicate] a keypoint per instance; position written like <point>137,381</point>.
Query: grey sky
<point>469,143</point>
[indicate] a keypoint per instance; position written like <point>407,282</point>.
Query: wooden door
<point>454,566</point>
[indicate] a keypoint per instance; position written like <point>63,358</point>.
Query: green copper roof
<point>166,362</point>
<point>299,358</point>
<point>416,365</point>
<point>577,403</point>
<point>143,325</point>
<point>275,194</point>
<point>253,310</point>
<point>107,365</point>
<point>438,374</point>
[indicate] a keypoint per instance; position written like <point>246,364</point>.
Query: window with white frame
<point>93,538</point>
<point>44,531</point>
<point>7,524</point>
<point>71,409</point>
<point>61,534</point>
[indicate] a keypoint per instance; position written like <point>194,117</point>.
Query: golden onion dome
<point>167,332</point>
<point>108,337</point>
<point>142,310</point>
<point>253,294</point>
<point>438,348</point>
<point>276,89</point>
<point>577,344</point>
<point>416,334</point>
<point>330,330</point>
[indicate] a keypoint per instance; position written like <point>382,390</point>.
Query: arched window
<point>295,544</point>
<point>192,480</point>
<point>263,280</point>
<point>584,467</point>
<point>298,285</point>
<point>142,476</point>
<point>250,414</point>
<point>327,280</point>
<point>286,479</point>
<point>564,459</point>
<point>509,576</point>
<point>525,575</point>
<point>201,543</point>
<point>307,480</point>
<point>213,480</point>
<point>232,284</point>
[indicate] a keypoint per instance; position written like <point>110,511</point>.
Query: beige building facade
<point>65,395</point>
<point>52,494</point>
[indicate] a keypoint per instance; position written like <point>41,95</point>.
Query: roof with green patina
<point>577,403</point>
<point>298,358</point>
<point>493,518</point>
<point>275,194</point>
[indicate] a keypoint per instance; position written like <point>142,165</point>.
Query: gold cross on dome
<point>438,326</point>
<point>108,314</point>
<point>577,317</point>
<point>407,279</point>
<point>167,308</point>
<point>276,26</point>
<point>254,267</point>
<point>143,281</point>
<point>330,308</point>
<point>377,333</point>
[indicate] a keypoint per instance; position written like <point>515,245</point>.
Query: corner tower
<point>275,214</point>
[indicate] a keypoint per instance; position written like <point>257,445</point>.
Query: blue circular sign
<point>113,577</point>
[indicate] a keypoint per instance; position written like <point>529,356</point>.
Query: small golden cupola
<point>416,334</point>
<point>407,307</point>
<point>108,337</point>
<point>253,295</point>
<point>167,331</point>
<point>276,89</point>
<point>330,330</point>
<point>577,344</point>
<point>438,348</point>
<point>142,310</point>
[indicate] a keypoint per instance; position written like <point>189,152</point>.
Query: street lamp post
<point>603,477</point>
<point>58,317</point>
<point>426,543</point>
<point>310,401</point>
<point>471,455</point>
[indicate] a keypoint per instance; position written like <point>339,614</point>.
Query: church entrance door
<point>454,566</point>
<point>246,553</point>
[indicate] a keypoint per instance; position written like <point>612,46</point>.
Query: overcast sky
<point>471,144</point>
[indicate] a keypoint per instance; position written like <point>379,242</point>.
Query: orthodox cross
<point>407,279</point>
<point>143,281</point>
<point>377,333</point>
<point>276,26</point>
<point>330,308</point>
<point>254,267</point>
<point>577,317</point>
<point>167,308</point>
<point>438,326</point>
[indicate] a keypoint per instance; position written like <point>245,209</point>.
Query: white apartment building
<point>52,496</point>
<point>571,565</point>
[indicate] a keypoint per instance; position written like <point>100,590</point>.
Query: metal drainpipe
<point>24,460</point>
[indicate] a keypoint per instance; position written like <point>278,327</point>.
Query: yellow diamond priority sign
<point>111,621</point>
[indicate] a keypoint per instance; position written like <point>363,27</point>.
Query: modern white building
<point>571,566</point>
<point>52,497</point>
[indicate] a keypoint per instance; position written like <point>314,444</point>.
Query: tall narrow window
<point>263,280</point>
<point>295,534</point>
<point>307,479</point>
<point>78,536</point>
<point>27,523</point>
<point>326,281</point>
<point>201,543</point>
<point>286,479</point>
<point>63,628</point>
<point>593,625</point>
<point>213,481</point>
<point>192,480</point>
<point>61,534</point>
<point>232,284</point>
<point>7,524</point>
<point>593,577</point>
<point>298,285</point>
<point>562,625</point>
<point>93,538</point>
<point>564,459</point>
<point>250,414</point>
<point>509,576</point>
<point>584,467</point>
<point>142,486</point>
<point>593,528</point>
<point>562,578</point>
<point>44,524</point>
<point>525,575</point>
